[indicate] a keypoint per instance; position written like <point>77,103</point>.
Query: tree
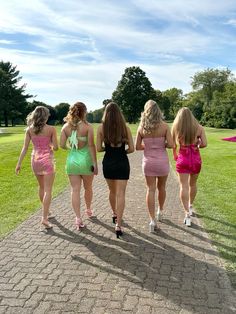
<point>209,81</point>
<point>13,99</point>
<point>61,111</point>
<point>132,91</point>
<point>173,98</point>
<point>106,102</point>
<point>97,115</point>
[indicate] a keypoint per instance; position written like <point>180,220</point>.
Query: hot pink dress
<point>189,159</point>
<point>155,159</point>
<point>42,160</point>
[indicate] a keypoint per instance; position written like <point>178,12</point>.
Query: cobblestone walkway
<point>176,270</point>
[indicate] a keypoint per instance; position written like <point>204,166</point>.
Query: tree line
<point>212,99</point>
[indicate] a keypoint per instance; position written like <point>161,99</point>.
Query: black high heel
<point>119,232</point>
<point>114,219</point>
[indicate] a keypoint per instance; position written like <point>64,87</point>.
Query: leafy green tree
<point>209,81</point>
<point>90,117</point>
<point>132,91</point>
<point>97,115</point>
<point>61,111</point>
<point>13,99</point>
<point>173,98</point>
<point>106,102</point>
<point>222,112</point>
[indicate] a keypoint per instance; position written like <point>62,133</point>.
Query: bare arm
<point>100,148</point>
<point>92,148</point>
<point>203,139</point>
<point>54,139</point>
<point>63,138</point>
<point>130,148</point>
<point>169,140</point>
<point>23,151</point>
<point>138,142</point>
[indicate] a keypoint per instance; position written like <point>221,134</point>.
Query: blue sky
<point>69,50</point>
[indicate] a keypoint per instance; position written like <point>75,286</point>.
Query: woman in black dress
<point>115,136</point>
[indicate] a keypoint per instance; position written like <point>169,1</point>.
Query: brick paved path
<point>64,271</point>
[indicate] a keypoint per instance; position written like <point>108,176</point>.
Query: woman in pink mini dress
<point>189,135</point>
<point>44,139</point>
<point>153,137</point>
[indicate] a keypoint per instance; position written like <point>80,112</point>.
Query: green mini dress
<point>79,160</point>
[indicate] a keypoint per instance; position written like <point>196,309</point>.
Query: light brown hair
<point>114,125</point>
<point>38,118</point>
<point>151,117</point>
<point>76,113</point>
<point>185,127</point>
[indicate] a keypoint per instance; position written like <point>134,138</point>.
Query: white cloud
<point>68,50</point>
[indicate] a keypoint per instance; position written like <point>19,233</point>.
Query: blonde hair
<point>114,125</point>
<point>185,126</point>
<point>151,117</point>
<point>76,113</point>
<point>38,118</point>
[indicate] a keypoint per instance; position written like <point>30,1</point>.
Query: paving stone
<point>176,270</point>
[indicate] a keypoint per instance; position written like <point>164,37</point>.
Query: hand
<point>17,170</point>
<point>95,171</point>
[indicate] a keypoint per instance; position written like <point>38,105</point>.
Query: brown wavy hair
<point>114,125</point>
<point>76,113</point>
<point>185,127</point>
<point>38,118</point>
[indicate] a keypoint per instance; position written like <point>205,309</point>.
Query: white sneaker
<point>159,215</point>
<point>187,221</point>
<point>152,226</point>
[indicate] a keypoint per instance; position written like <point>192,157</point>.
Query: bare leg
<point>112,194</point>
<point>193,187</point>
<point>120,197</point>
<point>184,190</point>
<point>161,186</point>
<point>75,182</point>
<point>40,179</point>
<point>88,190</point>
<point>150,196</point>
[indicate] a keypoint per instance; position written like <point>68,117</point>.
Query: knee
<point>151,189</point>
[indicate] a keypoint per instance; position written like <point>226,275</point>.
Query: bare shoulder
<point>100,129</point>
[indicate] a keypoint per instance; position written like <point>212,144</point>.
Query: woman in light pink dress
<point>189,135</point>
<point>44,139</point>
<point>153,137</point>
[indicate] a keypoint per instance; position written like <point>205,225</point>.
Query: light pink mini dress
<point>155,158</point>
<point>42,158</point>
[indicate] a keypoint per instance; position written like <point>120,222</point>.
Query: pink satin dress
<point>155,158</point>
<point>189,159</point>
<point>42,158</point>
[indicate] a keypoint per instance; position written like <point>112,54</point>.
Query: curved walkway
<point>176,270</point>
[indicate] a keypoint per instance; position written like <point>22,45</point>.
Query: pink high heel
<point>79,223</point>
<point>89,212</point>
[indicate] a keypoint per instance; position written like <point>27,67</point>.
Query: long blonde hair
<point>151,117</point>
<point>185,127</point>
<point>114,125</point>
<point>38,118</point>
<point>76,113</point>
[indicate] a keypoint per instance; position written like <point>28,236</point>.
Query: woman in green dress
<point>81,163</point>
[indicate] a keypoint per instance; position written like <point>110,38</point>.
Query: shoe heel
<point>118,231</point>
<point>78,223</point>
<point>151,227</point>
<point>114,219</point>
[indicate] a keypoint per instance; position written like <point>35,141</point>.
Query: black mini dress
<point>115,163</point>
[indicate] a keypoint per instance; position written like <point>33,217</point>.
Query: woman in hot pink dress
<point>189,135</point>
<point>153,137</point>
<point>44,139</point>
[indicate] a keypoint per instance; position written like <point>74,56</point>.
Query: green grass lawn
<point>215,202</point>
